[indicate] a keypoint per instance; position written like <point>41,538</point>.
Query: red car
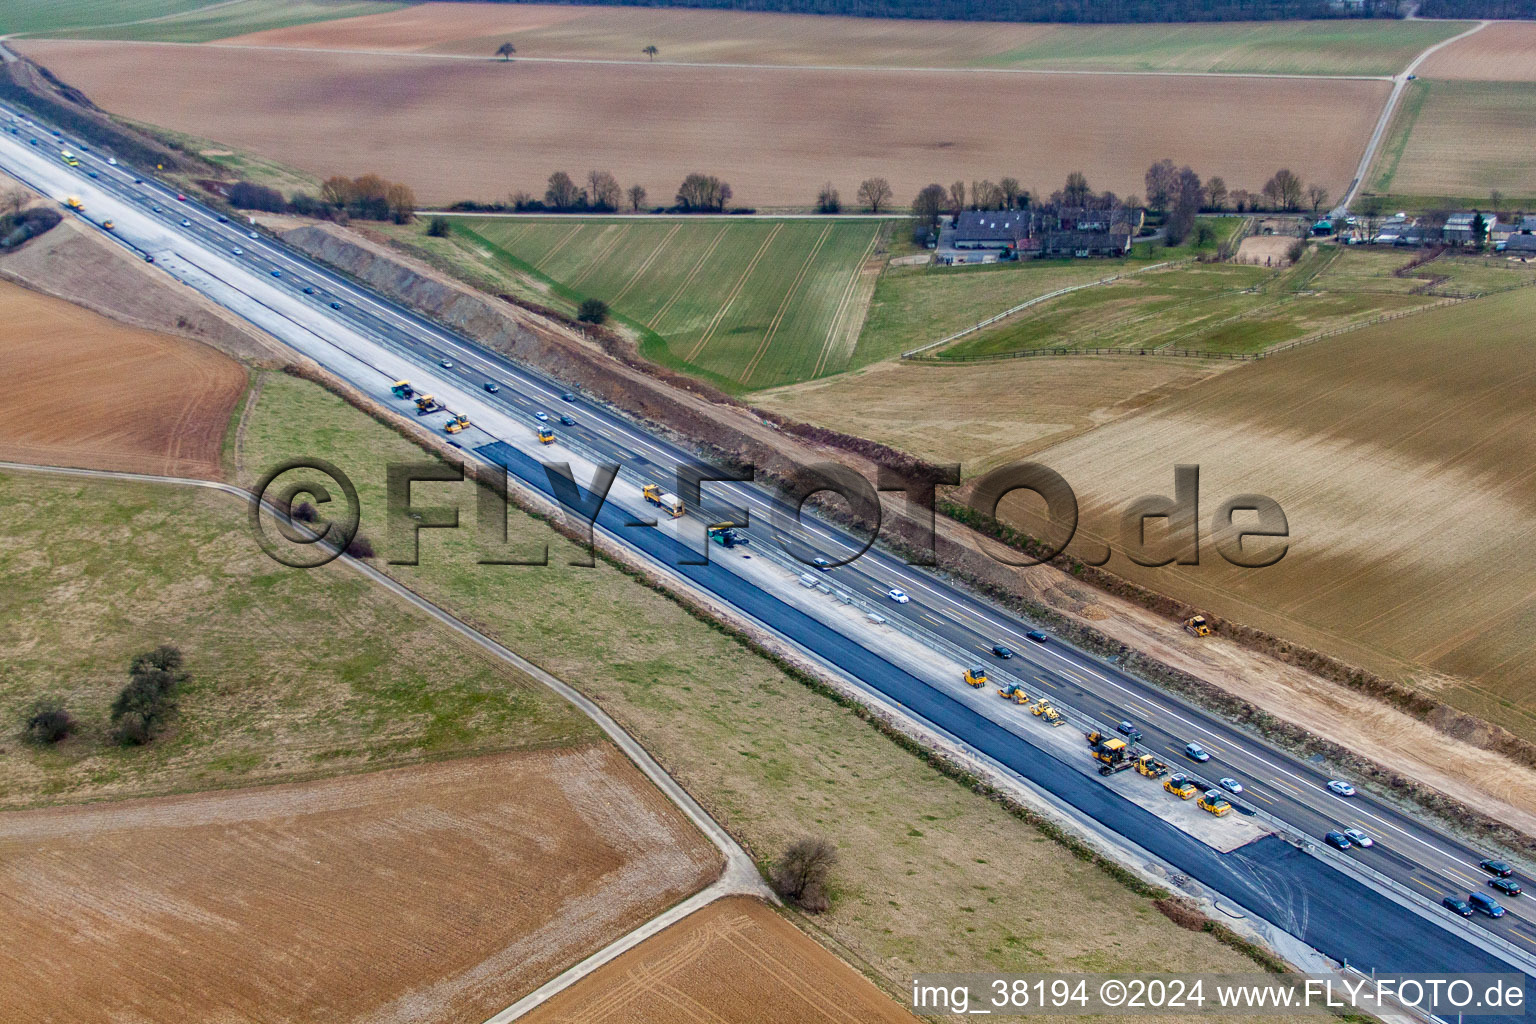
<point>181,198</point>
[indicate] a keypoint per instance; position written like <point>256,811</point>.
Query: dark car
<point>93,174</point>
<point>308,290</point>
<point>149,259</point>
<point>34,142</point>
<point>1001,651</point>
<point>335,305</point>
<point>1507,886</point>
<point>1496,867</point>
<point>1127,729</point>
<point>1486,904</point>
<point>492,386</point>
<point>567,421</point>
<point>1338,839</point>
<point>568,397</point>
<point>1037,636</point>
<point>223,219</point>
<point>1459,906</point>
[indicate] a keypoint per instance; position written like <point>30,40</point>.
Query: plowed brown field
<point>437,893</point>
<point>1502,52</point>
<point>733,962</point>
<point>85,391</point>
<point>458,129</point>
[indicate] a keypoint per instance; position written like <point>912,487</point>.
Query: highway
<point>1309,891</point>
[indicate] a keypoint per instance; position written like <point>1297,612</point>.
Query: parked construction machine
<point>1150,766</point>
<point>402,389</point>
<point>726,534</point>
<point>1111,753</point>
<point>661,499</point>
<point>1013,692</point>
<point>1180,786</point>
<point>976,676</point>
<point>1214,803</point>
<point>457,422</point>
<point>546,436</point>
<point>1046,712</point>
<point>1197,625</point>
<point>426,404</point>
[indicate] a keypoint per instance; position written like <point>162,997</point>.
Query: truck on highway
<point>74,203</point>
<point>69,158</point>
<point>661,499</point>
<point>546,436</point>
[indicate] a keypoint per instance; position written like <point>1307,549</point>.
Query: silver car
<point>1359,838</point>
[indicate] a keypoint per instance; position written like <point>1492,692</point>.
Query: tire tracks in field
<point>778,317</point>
<point>602,254</point>
<point>842,307</point>
<point>735,293</point>
<point>646,263</point>
<point>678,291</point>
<point>558,246</point>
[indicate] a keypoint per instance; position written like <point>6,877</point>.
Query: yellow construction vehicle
<point>546,436</point>
<point>74,203</point>
<point>108,225</point>
<point>1197,625</point>
<point>1110,753</point>
<point>661,499</point>
<point>1180,786</point>
<point>426,404</point>
<point>457,422</point>
<point>1150,766</point>
<point>976,676</point>
<point>1013,692</point>
<point>1215,803</point>
<point>1044,710</point>
<point>402,389</point>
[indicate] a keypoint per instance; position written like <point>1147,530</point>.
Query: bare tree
<point>986,195</point>
<point>828,200</point>
<point>1011,190</point>
<point>957,197</point>
<point>651,52</point>
<point>402,203</point>
<point>1284,189</point>
<point>1162,179</point>
<point>14,200</point>
<point>1184,203</point>
<point>505,51</point>
<point>562,193</point>
<point>1496,201</point>
<point>875,193</point>
<point>1216,193</point>
<point>930,202</point>
<point>703,192</point>
<point>801,875</point>
<point>636,197</point>
<point>603,190</point>
<point>1317,196</point>
<point>1077,191</point>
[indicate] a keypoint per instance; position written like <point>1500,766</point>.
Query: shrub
<point>592,311</point>
<point>439,227</point>
<point>361,547</point>
<point>1297,250</point>
<point>245,195</point>
<point>304,512</point>
<point>143,706</point>
<point>800,876</point>
<point>49,723</point>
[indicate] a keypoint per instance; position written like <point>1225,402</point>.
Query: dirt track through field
<point>86,391</point>
<point>734,962</point>
<point>647,124</point>
<point>436,893</point>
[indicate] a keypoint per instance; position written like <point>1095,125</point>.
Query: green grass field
<point>1345,47</point>
<point>172,21</point>
<point>1232,308</point>
<point>746,304</point>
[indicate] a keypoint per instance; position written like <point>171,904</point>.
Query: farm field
<point>434,893</point>
<point>1412,543</point>
<point>764,754</point>
<point>1428,158</point>
<point>747,304</point>
<point>982,415</point>
<point>735,961</point>
<point>701,36</point>
<point>645,125</point>
<point>178,21</point>
<point>294,674</point>
<point>102,395</point>
<point>1502,51</point>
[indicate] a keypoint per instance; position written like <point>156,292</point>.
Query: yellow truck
<point>1180,786</point>
<point>69,158</point>
<point>1150,766</point>
<point>457,422</point>
<point>74,203</point>
<point>976,676</point>
<point>1215,803</point>
<point>661,499</point>
<point>546,436</point>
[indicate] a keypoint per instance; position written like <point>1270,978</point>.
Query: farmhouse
<point>985,236</point>
<point>1459,227</point>
<point>1521,244</point>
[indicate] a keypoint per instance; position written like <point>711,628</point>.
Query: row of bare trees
<point>874,195</point>
<point>370,197</point>
<point>602,193</point>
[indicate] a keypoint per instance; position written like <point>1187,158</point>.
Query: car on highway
<point>446,364</point>
<point>335,305</point>
<point>1231,785</point>
<point>237,251</point>
<point>148,258</point>
<point>822,563</point>
<point>1037,636</point>
<point>1458,906</point>
<point>492,386</point>
<point>92,174</point>
<point>277,273</point>
<point>541,416</point>
<point>1507,886</point>
<point>1360,838</point>
<point>898,595</point>
<point>1338,840</point>
<point>567,397</point>
<point>138,181</point>
<point>1341,788</point>
<point>185,223</point>
<point>1496,867</point>
<point>1195,752</point>
<point>566,421</point>
<point>34,142</point>
<point>180,198</point>
<point>251,234</point>
<point>1129,731</point>
<point>112,160</point>
<point>309,290</point>
<point>998,650</point>
<point>156,209</point>
<point>1487,904</point>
